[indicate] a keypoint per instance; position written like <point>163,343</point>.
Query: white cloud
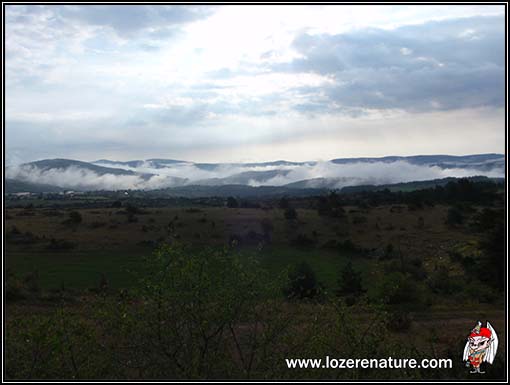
<point>360,173</point>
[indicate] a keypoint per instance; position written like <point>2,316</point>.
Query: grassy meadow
<point>402,273</point>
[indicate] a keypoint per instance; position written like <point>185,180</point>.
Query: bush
<point>132,218</point>
<point>399,291</point>
<point>14,231</point>
<point>16,237</point>
<point>440,281</point>
<point>54,345</point>
<point>487,219</point>
<point>283,203</point>
<point>330,206</point>
<point>60,244</point>
<point>73,219</point>
<point>31,282</point>
<point>191,302</point>
<point>232,203</point>
<point>302,240</point>
<point>414,267</point>
<point>359,220</point>
<point>492,262</point>
<point>302,283</point>
<point>132,209</point>
<point>290,214</point>
<point>349,283</point>
<point>399,320</point>
<point>347,246</point>
<point>97,224</point>
<point>267,227</point>
<point>454,217</point>
<point>14,289</point>
<point>389,252</point>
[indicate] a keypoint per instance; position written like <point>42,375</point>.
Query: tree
<point>75,217</point>
<point>267,228</point>
<point>388,251</point>
<point>302,282</point>
<point>350,283</point>
<point>232,203</point>
<point>454,216</point>
<point>330,206</point>
<point>401,292</point>
<point>283,203</point>
<point>290,213</point>
<point>191,302</point>
<point>401,295</point>
<point>132,209</point>
<point>492,263</point>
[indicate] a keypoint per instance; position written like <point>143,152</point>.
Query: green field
<point>417,274</point>
<point>105,243</point>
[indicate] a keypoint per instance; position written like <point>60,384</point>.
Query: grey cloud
<point>129,19</point>
<point>437,65</point>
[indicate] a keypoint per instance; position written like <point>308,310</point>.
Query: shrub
<point>347,246</point>
<point>267,227</point>
<point>16,237</point>
<point>492,262</point>
<point>185,322</point>
<point>73,219</point>
<point>103,284</point>
<point>440,281</point>
<point>400,291</point>
<point>302,283</point>
<point>14,231</point>
<point>358,219</point>
<point>454,217</point>
<point>329,206</point>
<point>232,203</point>
<point>399,320</point>
<point>60,244</point>
<point>97,224</point>
<point>389,251</point>
<point>350,284</point>
<point>414,267</point>
<point>283,203</point>
<point>31,282</point>
<point>132,209</point>
<point>131,218</point>
<point>290,214</point>
<point>14,289</point>
<point>302,240</point>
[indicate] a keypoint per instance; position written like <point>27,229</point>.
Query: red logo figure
<point>481,346</point>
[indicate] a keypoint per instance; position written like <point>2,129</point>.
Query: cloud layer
<point>179,174</point>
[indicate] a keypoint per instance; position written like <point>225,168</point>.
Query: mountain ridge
<point>157,173</point>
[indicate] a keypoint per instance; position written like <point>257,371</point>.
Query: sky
<point>252,83</point>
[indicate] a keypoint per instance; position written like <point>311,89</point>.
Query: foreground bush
<point>208,315</point>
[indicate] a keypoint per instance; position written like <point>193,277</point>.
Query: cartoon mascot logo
<point>481,346</point>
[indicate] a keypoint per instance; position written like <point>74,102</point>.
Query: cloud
<point>436,65</point>
<point>223,83</point>
<point>376,173</point>
<point>178,174</point>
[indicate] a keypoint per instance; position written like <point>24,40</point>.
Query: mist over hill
<point>152,174</point>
